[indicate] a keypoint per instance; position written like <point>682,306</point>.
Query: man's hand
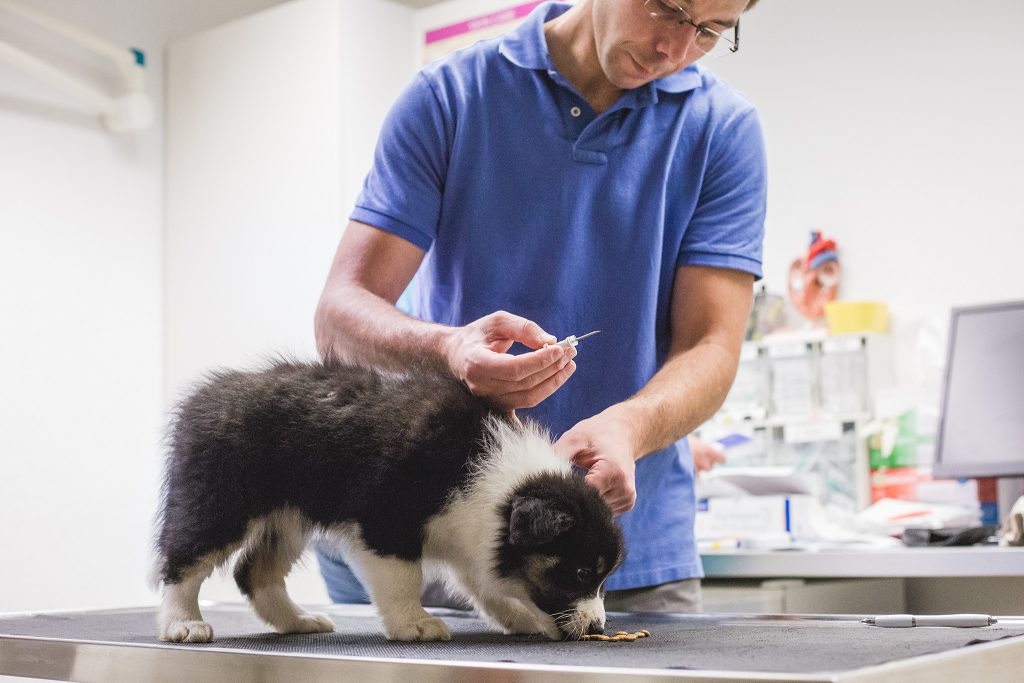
<point>477,355</point>
<point>706,454</point>
<point>603,446</point>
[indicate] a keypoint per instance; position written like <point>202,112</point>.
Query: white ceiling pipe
<point>55,77</point>
<point>129,111</point>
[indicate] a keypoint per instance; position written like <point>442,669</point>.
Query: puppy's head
<point>560,542</point>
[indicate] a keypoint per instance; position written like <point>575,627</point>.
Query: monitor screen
<point>981,432</point>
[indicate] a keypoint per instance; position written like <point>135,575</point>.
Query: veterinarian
<point>582,172</point>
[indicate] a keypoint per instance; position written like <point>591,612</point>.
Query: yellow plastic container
<point>847,317</point>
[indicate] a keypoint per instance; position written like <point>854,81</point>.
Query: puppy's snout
<point>587,619</point>
<point>569,632</point>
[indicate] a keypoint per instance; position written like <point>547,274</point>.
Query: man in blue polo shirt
<point>579,173</point>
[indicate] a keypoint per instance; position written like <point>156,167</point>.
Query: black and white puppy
<point>410,474</point>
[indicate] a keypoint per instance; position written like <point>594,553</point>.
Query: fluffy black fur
<point>339,443</point>
<point>336,442</point>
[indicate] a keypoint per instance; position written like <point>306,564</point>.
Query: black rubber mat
<point>706,642</point>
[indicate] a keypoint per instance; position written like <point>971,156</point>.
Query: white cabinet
<point>804,596</point>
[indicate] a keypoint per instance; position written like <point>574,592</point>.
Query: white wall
<point>896,128</point>
<point>80,316</point>
<point>253,168</point>
<point>272,124</point>
<point>376,61</point>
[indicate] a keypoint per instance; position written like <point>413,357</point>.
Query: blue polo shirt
<point>526,200</point>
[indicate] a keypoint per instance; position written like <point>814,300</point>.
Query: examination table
<point>121,645</point>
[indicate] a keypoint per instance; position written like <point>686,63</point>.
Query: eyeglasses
<point>708,41</point>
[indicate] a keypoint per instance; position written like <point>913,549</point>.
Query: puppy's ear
<point>535,521</point>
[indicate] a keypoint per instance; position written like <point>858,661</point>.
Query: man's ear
<point>535,521</point>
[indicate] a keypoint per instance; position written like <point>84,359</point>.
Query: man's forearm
<point>355,325</point>
<point>685,392</point>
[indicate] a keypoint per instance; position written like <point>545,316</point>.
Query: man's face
<point>634,49</point>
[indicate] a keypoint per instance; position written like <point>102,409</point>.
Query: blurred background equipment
<point>767,315</point>
<point>981,431</point>
<point>823,411</point>
<point>845,317</point>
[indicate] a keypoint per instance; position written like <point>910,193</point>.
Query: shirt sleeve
<point>402,192</point>
<point>727,227</point>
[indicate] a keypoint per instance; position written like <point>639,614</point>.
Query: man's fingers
<point>528,398</point>
<point>492,368</point>
<point>620,503</point>
<point>492,384</point>
<point>622,506</point>
<point>599,483</point>
<point>544,373</point>
<point>521,330</point>
<point>573,448</point>
<point>613,490</point>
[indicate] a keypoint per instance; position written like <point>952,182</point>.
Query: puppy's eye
<point>584,574</point>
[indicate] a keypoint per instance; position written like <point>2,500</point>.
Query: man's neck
<point>571,44</point>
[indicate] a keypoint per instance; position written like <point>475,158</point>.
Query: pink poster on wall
<point>440,41</point>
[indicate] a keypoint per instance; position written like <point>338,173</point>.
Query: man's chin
<point>635,74</point>
<point>628,79</point>
<point>631,82</point>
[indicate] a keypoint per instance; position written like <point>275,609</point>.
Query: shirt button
<point>575,111</point>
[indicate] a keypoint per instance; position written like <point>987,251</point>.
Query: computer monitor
<point>981,430</point>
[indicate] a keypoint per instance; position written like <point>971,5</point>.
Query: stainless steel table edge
<point>992,662</point>
<point>85,661</point>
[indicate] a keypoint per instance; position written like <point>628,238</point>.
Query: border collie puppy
<point>409,474</point>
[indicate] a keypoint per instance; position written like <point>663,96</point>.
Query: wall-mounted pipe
<point>129,111</point>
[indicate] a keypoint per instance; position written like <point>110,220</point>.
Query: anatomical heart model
<point>814,277</point>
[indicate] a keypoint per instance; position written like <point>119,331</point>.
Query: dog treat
<point>618,637</point>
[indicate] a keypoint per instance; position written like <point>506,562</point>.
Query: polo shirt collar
<point>526,47</point>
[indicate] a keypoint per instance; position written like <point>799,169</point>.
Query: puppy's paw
<point>552,631</point>
<point>515,619</point>
<point>186,631</point>
<point>430,628</point>
<point>523,628</point>
<point>310,623</point>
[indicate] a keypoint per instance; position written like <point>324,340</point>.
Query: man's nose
<point>675,43</point>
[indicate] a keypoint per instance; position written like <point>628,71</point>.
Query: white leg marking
<point>272,603</point>
<point>394,586</point>
<point>267,561</point>
<point>180,619</point>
